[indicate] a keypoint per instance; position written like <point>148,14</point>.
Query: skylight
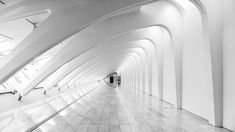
<point>11,34</point>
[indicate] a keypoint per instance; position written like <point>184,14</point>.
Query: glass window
<point>11,34</point>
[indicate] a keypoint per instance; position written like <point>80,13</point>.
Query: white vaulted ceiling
<point>65,42</point>
<point>52,31</point>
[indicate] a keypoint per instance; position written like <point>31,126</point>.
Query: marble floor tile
<point>108,109</point>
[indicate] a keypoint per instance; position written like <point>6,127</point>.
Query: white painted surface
<point>195,78</point>
<point>229,64</point>
<point>169,86</point>
<point>203,77</point>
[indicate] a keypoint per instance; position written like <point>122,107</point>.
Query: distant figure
<point>119,80</point>
<point>111,79</point>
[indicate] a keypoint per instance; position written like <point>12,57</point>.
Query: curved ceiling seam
<point>201,8</point>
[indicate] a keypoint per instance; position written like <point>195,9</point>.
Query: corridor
<point>117,65</point>
<point>108,109</point>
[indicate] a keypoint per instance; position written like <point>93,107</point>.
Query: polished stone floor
<point>108,109</point>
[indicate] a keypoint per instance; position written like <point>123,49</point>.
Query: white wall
<point>169,86</point>
<point>229,64</point>
<point>195,82</point>
<point>155,91</point>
